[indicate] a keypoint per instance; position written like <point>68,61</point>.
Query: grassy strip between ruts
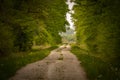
<point>96,68</point>
<point>10,64</point>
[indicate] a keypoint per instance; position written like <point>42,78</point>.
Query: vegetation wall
<point>27,22</point>
<point>98,26</point>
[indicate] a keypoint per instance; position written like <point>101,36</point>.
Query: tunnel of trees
<point>24,23</point>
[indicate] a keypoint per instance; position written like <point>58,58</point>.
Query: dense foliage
<point>98,27</point>
<point>27,22</point>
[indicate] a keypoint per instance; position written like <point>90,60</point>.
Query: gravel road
<point>61,64</point>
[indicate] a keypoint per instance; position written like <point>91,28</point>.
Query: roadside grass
<point>95,67</point>
<point>10,64</point>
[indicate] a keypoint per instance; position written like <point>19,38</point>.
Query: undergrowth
<point>10,64</point>
<point>95,67</point>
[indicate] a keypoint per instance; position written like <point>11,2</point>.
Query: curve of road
<point>61,64</point>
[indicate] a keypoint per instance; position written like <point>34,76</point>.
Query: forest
<point>28,23</point>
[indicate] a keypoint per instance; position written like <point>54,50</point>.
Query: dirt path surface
<point>61,64</point>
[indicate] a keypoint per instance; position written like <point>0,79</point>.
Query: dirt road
<point>61,64</point>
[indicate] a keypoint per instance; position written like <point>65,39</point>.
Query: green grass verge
<point>95,67</point>
<point>10,64</point>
